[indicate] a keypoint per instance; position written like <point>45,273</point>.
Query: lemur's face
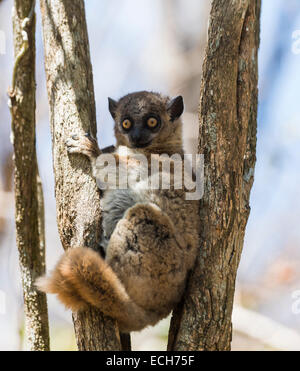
<point>145,119</point>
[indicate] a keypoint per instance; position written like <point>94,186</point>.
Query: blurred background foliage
<point>159,45</point>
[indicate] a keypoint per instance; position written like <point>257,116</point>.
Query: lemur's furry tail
<point>82,277</point>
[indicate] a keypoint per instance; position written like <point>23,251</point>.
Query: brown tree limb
<point>228,111</point>
<point>29,227</point>
<point>72,110</point>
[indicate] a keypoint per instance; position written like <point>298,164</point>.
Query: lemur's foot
<point>86,145</point>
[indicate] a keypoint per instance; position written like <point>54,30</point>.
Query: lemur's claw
<point>72,144</point>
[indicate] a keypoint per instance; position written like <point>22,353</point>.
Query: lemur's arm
<point>88,146</point>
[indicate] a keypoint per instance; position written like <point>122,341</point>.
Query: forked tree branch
<point>29,213</point>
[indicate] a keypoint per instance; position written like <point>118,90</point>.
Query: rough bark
<point>72,110</point>
<point>228,111</point>
<point>28,215</point>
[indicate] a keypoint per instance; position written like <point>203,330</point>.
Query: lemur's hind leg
<point>148,257</point>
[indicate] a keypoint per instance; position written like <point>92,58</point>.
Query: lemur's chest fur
<point>115,202</point>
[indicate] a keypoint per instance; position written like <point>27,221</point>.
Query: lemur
<point>150,237</point>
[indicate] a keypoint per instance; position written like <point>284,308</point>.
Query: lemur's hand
<point>86,145</point>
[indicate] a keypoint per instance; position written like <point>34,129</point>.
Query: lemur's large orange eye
<point>152,122</point>
<point>126,124</point>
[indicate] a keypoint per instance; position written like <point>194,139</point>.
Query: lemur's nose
<point>136,135</point>
<point>138,138</point>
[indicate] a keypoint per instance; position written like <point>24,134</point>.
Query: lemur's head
<point>148,120</point>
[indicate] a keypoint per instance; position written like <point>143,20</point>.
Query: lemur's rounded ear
<point>112,106</point>
<point>175,108</point>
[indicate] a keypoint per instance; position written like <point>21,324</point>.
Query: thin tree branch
<point>29,227</point>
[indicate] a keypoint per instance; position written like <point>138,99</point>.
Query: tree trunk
<point>29,215</point>
<point>228,112</point>
<point>72,110</point>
